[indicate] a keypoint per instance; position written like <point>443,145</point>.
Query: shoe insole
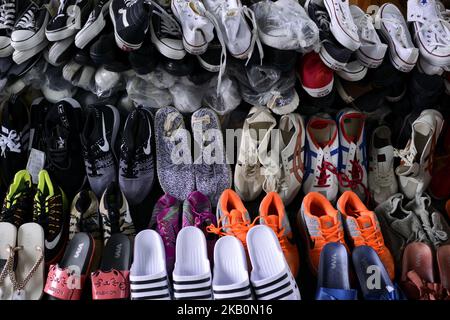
<point>418,256</point>
<point>420,142</point>
<point>352,127</point>
<point>149,256</point>
<point>230,264</point>
<point>443,259</point>
<point>191,257</point>
<point>117,253</point>
<point>322,134</point>
<point>333,267</point>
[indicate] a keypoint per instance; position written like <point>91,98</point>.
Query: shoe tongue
<point>273,220</point>
<point>364,222</point>
<point>326,222</point>
<point>236,216</point>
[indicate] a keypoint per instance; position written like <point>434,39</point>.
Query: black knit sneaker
<point>18,204</point>
<point>131,20</point>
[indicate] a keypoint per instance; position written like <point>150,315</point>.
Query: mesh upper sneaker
<point>272,214</point>
<point>94,25</point>
<point>382,179</point>
<point>352,152</point>
<point>98,139</point>
<point>342,25</point>
<point>432,33</point>
<point>321,156</point>
<point>29,30</point>
<point>18,204</point>
<point>256,132</point>
<point>63,147</point>
<point>416,162</point>
<point>198,30</point>
<point>14,138</point>
<point>212,173</point>
<point>70,18</point>
<point>173,154</point>
<point>136,167</point>
<point>131,21</point>
<point>197,212</point>
<point>393,28</point>
<point>9,11</point>
<point>372,51</point>
<point>333,54</point>
<point>316,78</point>
<point>363,228</point>
<point>115,213</point>
<point>84,216</point>
<point>321,224</point>
<point>166,216</point>
<point>51,211</point>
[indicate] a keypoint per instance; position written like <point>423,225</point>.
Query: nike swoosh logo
<point>105,146</point>
<point>52,244</point>
<point>123,12</point>
<point>147,148</point>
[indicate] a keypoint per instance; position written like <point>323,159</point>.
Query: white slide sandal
<point>192,273</point>
<point>231,281</point>
<point>148,274</point>
<point>8,235</point>
<point>29,276</point>
<point>271,277</point>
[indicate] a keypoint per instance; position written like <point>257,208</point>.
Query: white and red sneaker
<point>316,78</point>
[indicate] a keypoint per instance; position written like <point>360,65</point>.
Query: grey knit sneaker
<point>173,154</point>
<point>212,173</point>
<point>434,224</point>
<point>399,226</point>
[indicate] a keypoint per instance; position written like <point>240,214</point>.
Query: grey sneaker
<point>399,225</point>
<point>84,215</point>
<point>173,154</point>
<point>212,173</point>
<point>136,168</point>
<point>434,224</point>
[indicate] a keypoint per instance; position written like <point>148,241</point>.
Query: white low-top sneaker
<point>198,30</point>
<point>416,163</point>
<point>352,152</point>
<point>256,133</point>
<point>342,25</point>
<point>427,68</point>
<point>372,51</point>
<point>392,26</point>
<point>321,156</point>
<point>432,32</point>
<point>382,179</point>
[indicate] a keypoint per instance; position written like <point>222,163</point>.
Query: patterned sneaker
<point>84,215</point>
<point>166,220</point>
<point>17,206</point>
<point>115,213</point>
<point>197,212</point>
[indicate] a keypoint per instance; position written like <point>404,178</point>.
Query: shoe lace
<point>401,31</point>
<point>236,228</point>
<point>169,25</point>
<point>347,19</point>
<point>280,233</point>
<point>10,142</point>
<point>15,209</point>
<point>366,24</point>
<point>407,156</point>
<point>332,234</point>
<point>28,19</point>
<point>7,14</point>
<point>49,212</point>
<point>255,37</point>
<point>272,178</point>
<point>442,36</point>
<point>323,19</point>
<point>60,13</point>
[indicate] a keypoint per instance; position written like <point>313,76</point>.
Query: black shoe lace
<point>49,213</point>
<point>112,221</point>
<point>16,210</point>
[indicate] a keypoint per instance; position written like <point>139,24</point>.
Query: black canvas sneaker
<point>136,168</point>
<point>105,53</point>
<point>38,112</point>
<point>131,21</point>
<point>10,10</point>
<point>71,17</point>
<point>94,25</point>
<point>98,139</point>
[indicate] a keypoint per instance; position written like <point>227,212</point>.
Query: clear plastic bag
<point>226,100</point>
<point>187,97</point>
<point>107,83</point>
<point>54,86</point>
<point>160,78</point>
<point>146,94</point>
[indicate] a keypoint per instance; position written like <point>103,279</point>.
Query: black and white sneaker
<point>136,168</point>
<point>98,139</point>
<point>38,112</point>
<point>9,11</point>
<point>71,16</point>
<point>94,25</point>
<point>14,138</point>
<point>29,30</point>
<point>332,53</point>
<point>63,147</point>
<point>166,33</point>
<point>131,20</point>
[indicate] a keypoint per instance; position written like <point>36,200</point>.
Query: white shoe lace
<point>347,20</point>
<point>27,20</point>
<point>255,37</point>
<point>366,24</point>
<point>61,7</point>
<point>407,156</point>
<point>11,142</point>
<point>129,3</point>
<point>442,37</point>
<point>272,178</point>
<point>169,25</point>
<point>401,31</point>
<point>7,15</point>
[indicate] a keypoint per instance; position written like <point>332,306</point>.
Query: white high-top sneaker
<point>432,32</point>
<point>352,152</point>
<point>248,178</point>
<point>416,163</point>
<point>321,156</point>
<point>382,179</point>
<point>198,30</point>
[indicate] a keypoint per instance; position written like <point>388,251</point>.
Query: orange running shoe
<point>321,224</point>
<point>363,228</point>
<point>232,217</point>
<point>272,214</point>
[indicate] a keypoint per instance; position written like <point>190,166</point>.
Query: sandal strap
<point>8,268</point>
<point>63,284</point>
<point>20,285</point>
<point>113,284</point>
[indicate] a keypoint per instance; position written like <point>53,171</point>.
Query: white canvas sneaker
<point>198,30</point>
<point>342,25</point>
<point>432,32</point>
<point>352,152</point>
<point>321,156</point>
<point>392,26</point>
<point>256,132</point>
<point>416,163</point>
<point>372,51</point>
<point>286,178</point>
<point>382,179</point>
<point>427,68</point>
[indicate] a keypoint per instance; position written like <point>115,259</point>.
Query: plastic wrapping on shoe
<point>187,97</point>
<point>54,86</point>
<point>160,78</point>
<point>226,100</point>
<point>113,284</point>
<point>107,83</point>
<point>142,92</point>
